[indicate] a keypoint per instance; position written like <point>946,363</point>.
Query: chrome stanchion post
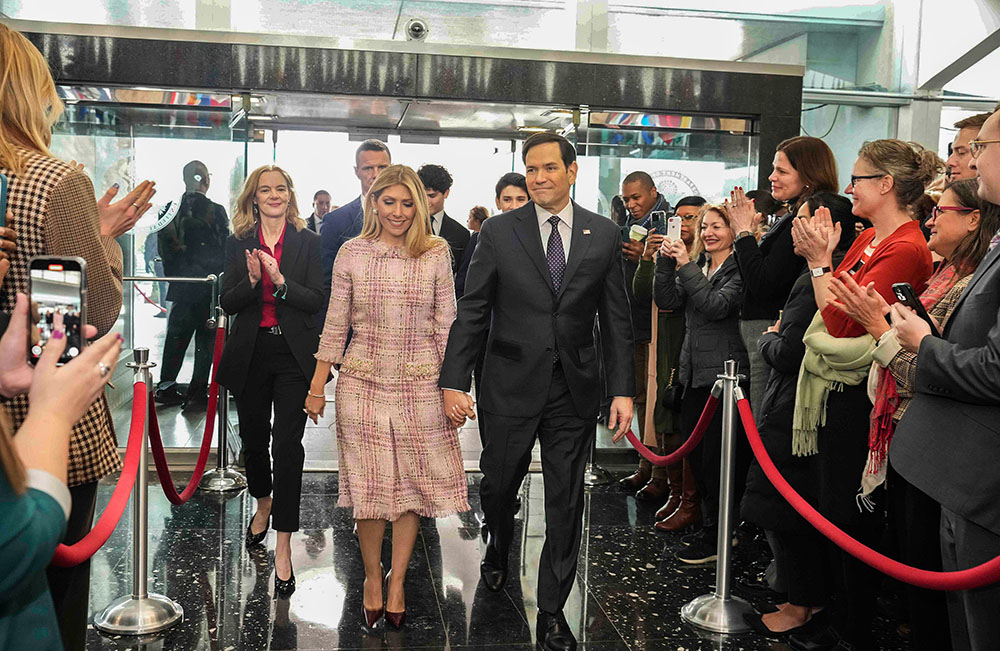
<point>142,612</point>
<point>720,612</point>
<point>222,478</point>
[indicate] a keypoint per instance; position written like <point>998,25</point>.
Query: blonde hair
<point>29,103</point>
<point>911,166</point>
<point>245,215</point>
<point>419,239</point>
<point>9,461</point>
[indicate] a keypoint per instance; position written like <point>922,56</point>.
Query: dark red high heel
<point>372,615</point>
<point>396,620</point>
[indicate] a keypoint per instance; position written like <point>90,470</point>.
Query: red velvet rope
<point>685,449</point>
<point>160,458</point>
<point>975,577</point>
<point>78,552</point>
<point>149,300</point>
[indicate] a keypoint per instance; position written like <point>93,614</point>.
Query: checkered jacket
<point>55,213</point>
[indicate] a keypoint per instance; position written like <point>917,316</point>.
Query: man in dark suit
<point>437,184</point>
<point>192,244</point>
<point>948,441</point>
<point>540,276</point>
<point>345,222</point>
<point>321,207</point>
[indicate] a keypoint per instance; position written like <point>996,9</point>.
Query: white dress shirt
<point>436,221</point>
<point>565,227</point>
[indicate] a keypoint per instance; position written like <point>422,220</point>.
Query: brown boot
<point>689,512</point>
<point>637,478</point>
<point>675,477</point>
<point>655,490</point>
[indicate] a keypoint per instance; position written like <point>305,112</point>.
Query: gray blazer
<point>948,442</point>
<point>711,309</point>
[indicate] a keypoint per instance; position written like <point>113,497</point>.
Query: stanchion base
<point>131,616</point>
<point>594,475</point>
<point>718,615</point>
<point>222,480</point>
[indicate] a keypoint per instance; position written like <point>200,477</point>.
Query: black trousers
<point>566,440</point>
<point>707,455</point>
<point>800,559</point>
<point>187,319</point>
<point>70,586</point>
<point>916,522</point>
<point>275,379</point>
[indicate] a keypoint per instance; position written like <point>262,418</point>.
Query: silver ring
<point>103,368</point>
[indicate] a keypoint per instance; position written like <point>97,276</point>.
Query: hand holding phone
<point>905,294</point>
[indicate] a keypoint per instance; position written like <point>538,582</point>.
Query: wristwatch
<point>817,272</point>
<point>743,234</point>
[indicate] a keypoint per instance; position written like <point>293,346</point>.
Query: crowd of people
<point>883,420</point>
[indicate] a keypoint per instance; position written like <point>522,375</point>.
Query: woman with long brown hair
<point>273,288</point>
<point>399,454</point>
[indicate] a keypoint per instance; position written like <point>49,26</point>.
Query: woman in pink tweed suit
<point>399,455</point>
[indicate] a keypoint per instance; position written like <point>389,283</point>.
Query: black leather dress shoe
<point>553,632</point>
<point>493,569</point>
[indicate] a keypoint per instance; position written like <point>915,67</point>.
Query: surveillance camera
<point>417,29</point>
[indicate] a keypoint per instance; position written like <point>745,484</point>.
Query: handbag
<point>672,393</point>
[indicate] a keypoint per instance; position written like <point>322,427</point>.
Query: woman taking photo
<point>803,166</point>
<point>960,235</point>
<point>710,296</point>
<point>399,455</point>
<point>273,287</point>
<point>888,177</point>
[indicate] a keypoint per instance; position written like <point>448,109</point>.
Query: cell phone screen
<point>55,290</point>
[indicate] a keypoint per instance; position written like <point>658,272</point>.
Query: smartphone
<point>905,294</point>
<point>56,285</point>
<point>3,200</point>
<point>674,228</point>
<point>658,221</point>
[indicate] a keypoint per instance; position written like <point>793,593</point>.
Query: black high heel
<point>396,620</point>
<point>284,587</point>
<point>253,539</point>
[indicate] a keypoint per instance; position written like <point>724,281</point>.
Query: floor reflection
<point>628,592</point>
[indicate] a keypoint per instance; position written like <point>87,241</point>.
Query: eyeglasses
<point>855,179</point>
<point>937,210</point>
<point>688,218</point>
<point>977,146</point>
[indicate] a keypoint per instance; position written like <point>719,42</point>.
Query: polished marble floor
<point>628,592</point>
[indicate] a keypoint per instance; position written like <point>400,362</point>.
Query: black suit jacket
<point>457,237</point>
<point>948,441</point>
<point>509,290</point>
<point>193,245</point>
<point>302,266</point>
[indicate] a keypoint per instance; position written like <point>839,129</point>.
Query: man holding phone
<point>648,210</point>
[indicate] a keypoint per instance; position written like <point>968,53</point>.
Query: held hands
<point>816,237</point>
<point>632,250</point>
<point>315,404</point>
<point>863,304</point>
<point>118,218</point>
<point>653,243</point>
<point>910,328</point>
<point>621,417</point>
<point>675,249</point>
<point>743,215</point>
<point>458,406</point>
<point>15,371</point>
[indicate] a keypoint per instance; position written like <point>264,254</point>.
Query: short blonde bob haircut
<point>29,103</point>
<point>245,214</point>
<point>419,239</point>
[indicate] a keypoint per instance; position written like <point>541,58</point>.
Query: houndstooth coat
<point>55,213</point>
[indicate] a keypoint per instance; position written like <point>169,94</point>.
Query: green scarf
<point>829,364</point>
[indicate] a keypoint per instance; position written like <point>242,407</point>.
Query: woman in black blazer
<point>273,288</point>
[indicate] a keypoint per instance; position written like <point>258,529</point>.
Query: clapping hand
<point>8,245</point>
<point>253,267</point>
<point>743,215</point>
<point>863,304</point>
<point>118,218</point>
<point>270,266</point>
<point>675,249</point>
<point>816,237</point>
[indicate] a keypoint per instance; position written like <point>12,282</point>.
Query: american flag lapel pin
<point>586,231</point>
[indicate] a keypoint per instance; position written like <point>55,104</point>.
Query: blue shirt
<point>338,226</point>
